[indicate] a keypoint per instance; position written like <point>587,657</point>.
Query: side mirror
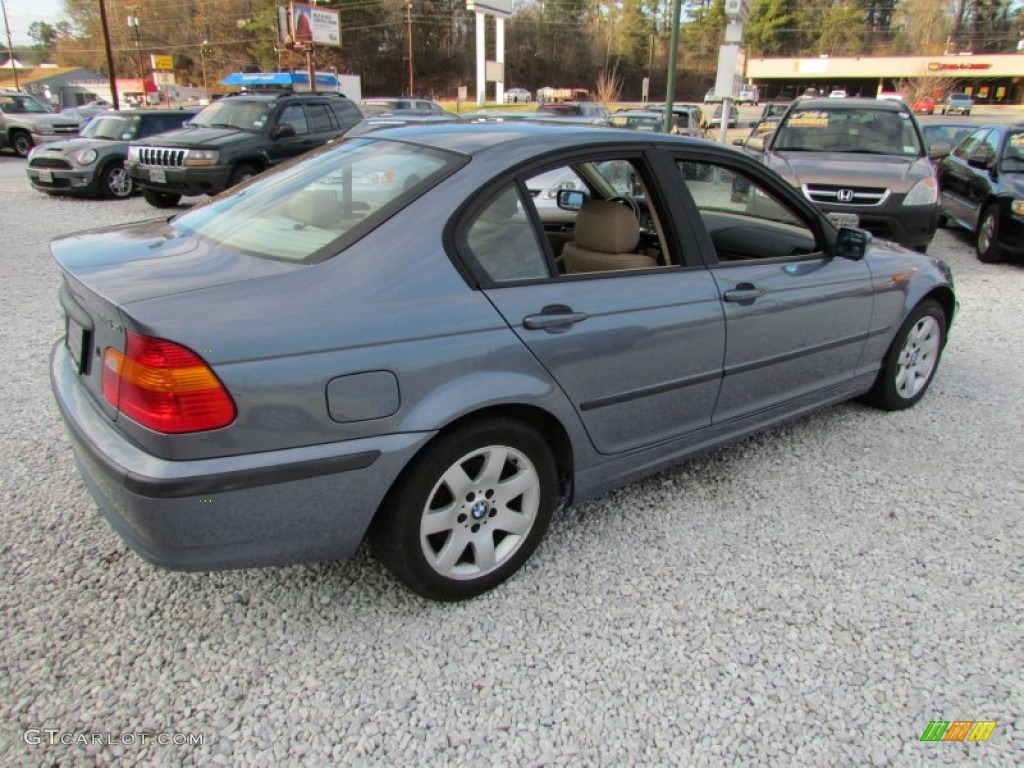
<point>571,199</point>
<point>939,150</point>
<point>754,144</point>
<point>284,131</point>
<point>852,244</point>
<point>979,161</point>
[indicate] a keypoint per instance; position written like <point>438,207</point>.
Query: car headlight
<point>133,155</point>
<point>201,157</point>
<point>45,130</point>
<point>86,157</point>
<point>1017,207</point>
<point>925,192</point>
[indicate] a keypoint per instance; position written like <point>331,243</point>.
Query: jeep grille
<point>162,157</point>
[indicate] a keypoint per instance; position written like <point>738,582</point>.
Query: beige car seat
<point>606,237</point>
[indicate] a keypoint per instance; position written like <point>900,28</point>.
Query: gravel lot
<point>811,596</point>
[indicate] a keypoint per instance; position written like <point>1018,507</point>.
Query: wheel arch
<point>943,294</point>
<point>259,162</point>
<point>543,421</point>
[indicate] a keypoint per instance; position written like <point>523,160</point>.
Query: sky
<point>21,13</point>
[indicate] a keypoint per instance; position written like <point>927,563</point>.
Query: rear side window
<point>319,118</point>
<point>346,112</point>
<point>502,242</point>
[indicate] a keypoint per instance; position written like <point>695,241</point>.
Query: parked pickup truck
<point>958,104</point>
<point>25,122</point>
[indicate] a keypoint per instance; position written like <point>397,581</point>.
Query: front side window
<point>18,104</point>
<point>966,147</point>
<point>295,116</point>
<point>1013,154</point>
<point>867,131</point>
<point>743,218</point>
<point>310,211</point>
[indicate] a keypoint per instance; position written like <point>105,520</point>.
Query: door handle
<point>556,318</point>
<point>744,293</point>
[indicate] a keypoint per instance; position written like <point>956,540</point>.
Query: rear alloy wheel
<point>469,512</point>
<point>910,364</point>
<point>115,183</point>
<point>987,242</point>
<point>159,199</point>
<point>22,143</point>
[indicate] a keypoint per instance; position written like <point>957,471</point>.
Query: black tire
<point>943,221</point>
<point>242,172</point>
<point>463,474</point>
<point>159,199</point>
<point>21,143</point>
<point>912,359</point>
<point>115,183</point>
<point>986,237</point>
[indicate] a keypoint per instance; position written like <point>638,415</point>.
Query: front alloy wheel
<point>116,184</point>
<point>469,512</point>
<point>910,364</point>
<point>987,243</point>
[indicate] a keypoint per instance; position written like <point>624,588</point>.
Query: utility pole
<point>110,56</point>
<point>203,50</point>
<point>408,23</point>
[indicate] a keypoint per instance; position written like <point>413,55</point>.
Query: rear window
<point>314,208</point>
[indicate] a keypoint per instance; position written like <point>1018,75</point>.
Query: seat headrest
<point>606,227</point>
<point>318,208</point>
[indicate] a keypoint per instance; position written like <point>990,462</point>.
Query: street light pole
<point>408,23</point>
<point>134,22</point>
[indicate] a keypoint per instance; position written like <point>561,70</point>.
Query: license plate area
<point>845,219</point>
<point>159,175</point>
<point>46,176</point>
<point>77,342</point>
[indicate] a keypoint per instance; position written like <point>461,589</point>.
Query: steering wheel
<point>629,202</point>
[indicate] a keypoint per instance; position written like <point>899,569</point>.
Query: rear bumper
<point>273,508</point>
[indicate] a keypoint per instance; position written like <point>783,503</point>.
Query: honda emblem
<point>844,195</point>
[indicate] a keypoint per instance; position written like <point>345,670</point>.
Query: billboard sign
<point>162,63</point>
<point>321,26</point>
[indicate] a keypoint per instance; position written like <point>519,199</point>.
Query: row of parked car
<point>866,162</point>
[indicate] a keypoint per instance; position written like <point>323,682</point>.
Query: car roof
<point>529,137</point>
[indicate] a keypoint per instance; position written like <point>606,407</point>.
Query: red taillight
<point>165,387</point>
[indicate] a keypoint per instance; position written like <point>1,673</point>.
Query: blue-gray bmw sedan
<point>388,338</point>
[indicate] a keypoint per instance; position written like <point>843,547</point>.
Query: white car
<point>516,95</point>
<point>839,93</point>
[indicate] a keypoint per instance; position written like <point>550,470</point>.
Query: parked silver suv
<point>25,122</point>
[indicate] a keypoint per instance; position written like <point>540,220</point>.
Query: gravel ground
<point>811,596</point>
